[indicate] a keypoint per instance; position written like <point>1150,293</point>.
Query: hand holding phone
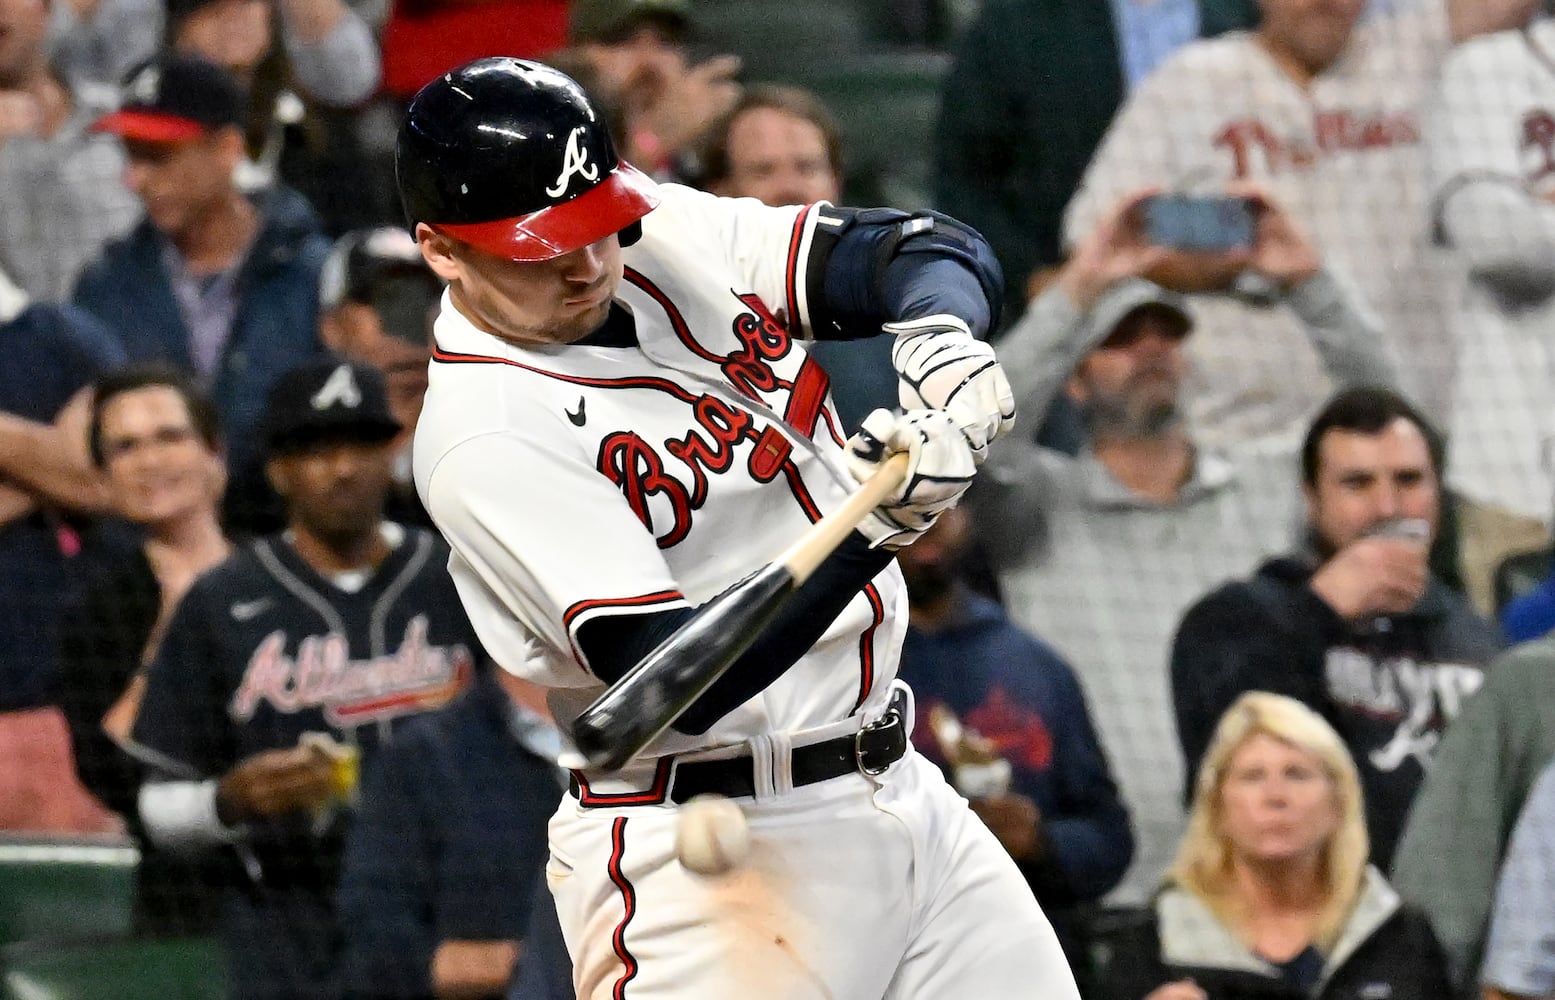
<point>1200,224</point>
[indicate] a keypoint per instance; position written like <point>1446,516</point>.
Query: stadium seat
<point>189,969</point>
<point>57,889</point>
<point>773,39</point>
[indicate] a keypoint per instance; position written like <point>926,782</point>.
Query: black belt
<point>871,750</point>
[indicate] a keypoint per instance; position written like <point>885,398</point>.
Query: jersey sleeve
<point>768,248</point>
<point>183,730</point>
<point>543,543</point>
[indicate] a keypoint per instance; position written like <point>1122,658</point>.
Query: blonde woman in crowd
<point>1271,895</point>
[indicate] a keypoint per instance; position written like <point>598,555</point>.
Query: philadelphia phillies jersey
<point>1341,155</point>
<point>583,480</point>
<point>1490,134</point>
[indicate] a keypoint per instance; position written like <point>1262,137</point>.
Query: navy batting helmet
<point>510,157</point>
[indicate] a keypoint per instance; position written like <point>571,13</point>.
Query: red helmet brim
<point>624,197</point>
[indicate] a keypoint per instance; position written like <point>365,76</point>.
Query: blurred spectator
<point>1520,960</point>
<point>1490,136</point>
<point>158,444</point>
<point>1325,112</point>
<point>1005,718</point>
<point>1032,89</point>
<point>1271,895</point>
<point>97,42</point>
<point>297,123</point>
<point>424,38</point>
<point>449,848</point>
<point>46,483</point>
<point>379,299</point>
<point>545,973</point>
<point>640,54</point>
<point>285,668</point>
<point>219,284</point>
<point>1531,615</point>
<point>1463,813</point>
<point>1100,554</point>
<point>1352,623</point>
<point>62,192</point>
<point>781,146</point>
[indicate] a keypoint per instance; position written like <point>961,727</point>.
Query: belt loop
<point>762,775</point>
<point>909,704</point>
<point>782,763</point>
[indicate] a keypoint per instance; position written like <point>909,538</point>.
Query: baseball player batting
<point>623,423</point>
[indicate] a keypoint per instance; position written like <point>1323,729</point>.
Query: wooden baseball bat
<point>659,688</point>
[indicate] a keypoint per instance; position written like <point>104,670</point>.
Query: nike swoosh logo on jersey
<point>248,610</point>
<point>580,418</point>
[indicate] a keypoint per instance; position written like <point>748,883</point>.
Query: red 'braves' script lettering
<point>762,339</point>
<point>632,464</point>
<point>1332,132</point>
<point>413,678</point>
<point>726,426</point>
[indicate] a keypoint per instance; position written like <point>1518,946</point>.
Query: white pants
<point>855,889</point>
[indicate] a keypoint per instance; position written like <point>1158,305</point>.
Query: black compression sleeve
<point>614,643</point>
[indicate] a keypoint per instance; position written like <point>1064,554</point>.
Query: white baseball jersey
<point>1343,156</point>
<point>579,481</point>
<point>1490,134</point>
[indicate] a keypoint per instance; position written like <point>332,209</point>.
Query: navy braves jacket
<point>1015,690</point>
<point>274,329</point>
<point>1389,686</point>
<point>449,844</point>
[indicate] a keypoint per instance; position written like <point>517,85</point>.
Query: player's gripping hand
<point>274,783</point>
<point>940,468</point>
<point>941,366</point>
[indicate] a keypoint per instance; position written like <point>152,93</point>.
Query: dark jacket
<point>101,651</point>
<point>274,329</point>
<point>449,844</point>
<point>1017,692</point>
<point>1034,86</point>
<point>1389,686</point>
<point>1385,952</point>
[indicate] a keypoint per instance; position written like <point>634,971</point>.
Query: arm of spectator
<point>95,665</point>
<point>1087,836</point>
<point>471,970</point>
<point>1484,211</point>
<point>1233,641</point>
<point>386,890</point>
<point>1470,18</point>
<point>51,460</point>
<point>15,504</point>
<point>332,51</point>
<point>1520,954</point>
<point>1455,837</point>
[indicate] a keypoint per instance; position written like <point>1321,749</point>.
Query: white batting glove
<point>941,366</point>
<point>939,470</point>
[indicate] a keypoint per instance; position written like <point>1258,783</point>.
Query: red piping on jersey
<point>657,597</point>
<point>677,321</point>
<point>632,382</point>
<point>791,272</point>
<point>866,647</point>
<point>655,794</point>
<point>796,486</point>
<point>629,905</point>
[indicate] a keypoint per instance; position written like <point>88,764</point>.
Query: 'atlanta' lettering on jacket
<point>413,678</point>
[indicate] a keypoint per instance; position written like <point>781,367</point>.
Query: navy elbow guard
<point>864,263</point>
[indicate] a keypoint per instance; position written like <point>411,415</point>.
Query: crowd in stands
<point>1241,645</point>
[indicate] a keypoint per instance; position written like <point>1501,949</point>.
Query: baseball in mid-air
<point>713,837</point>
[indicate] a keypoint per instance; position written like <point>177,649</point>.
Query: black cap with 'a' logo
<point>327,399</point>
<point>172,98</point>
<point>511,157</point>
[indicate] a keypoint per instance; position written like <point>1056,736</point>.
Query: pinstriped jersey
<point>573,481</point>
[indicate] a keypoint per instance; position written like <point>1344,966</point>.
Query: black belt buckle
<point>880,744</point>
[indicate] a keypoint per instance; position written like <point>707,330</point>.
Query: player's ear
<point>278,472</point>
<point>438,250</point>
